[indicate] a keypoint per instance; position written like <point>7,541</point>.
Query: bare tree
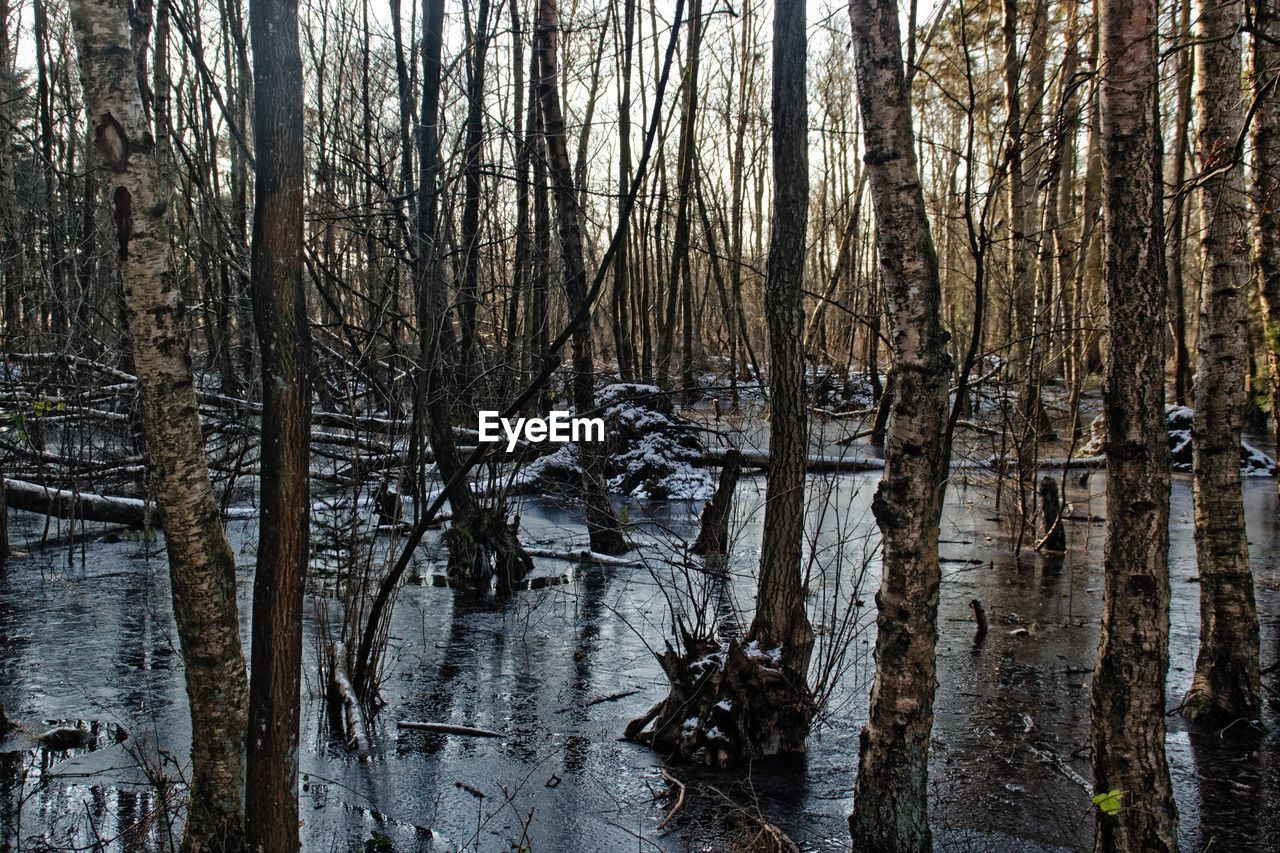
<point>602,522</point>
<point>1133,654</point>
<point>1264,80</point>
<point>280,314</point>
<point>890,798</point>
<point>781,620</point>
<point>1226,685</point>
<point>201,565</point>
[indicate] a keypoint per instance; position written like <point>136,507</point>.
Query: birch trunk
<point>1128,682</point>
<point>201,564</point>
<point>1226,686</point>
<point>890,805</point>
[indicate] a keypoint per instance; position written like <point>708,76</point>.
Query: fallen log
<point>81,506</point>
<point>447,729</point>
<point>583,556</point>
<point>814,464</point>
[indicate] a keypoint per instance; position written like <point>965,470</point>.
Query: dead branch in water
<point>448,729</point>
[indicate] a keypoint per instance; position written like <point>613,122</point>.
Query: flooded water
<point>86,634</point>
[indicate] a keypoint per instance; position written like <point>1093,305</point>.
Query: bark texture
<point>890,805</point>
<point>1264,81</point>
<point>780,619</point>
<point>280,314</point>
<point>1226,685</point>
<point>201,563</point>
<point>1133,653</point>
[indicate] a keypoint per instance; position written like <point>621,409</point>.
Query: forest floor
<point>86,634</point>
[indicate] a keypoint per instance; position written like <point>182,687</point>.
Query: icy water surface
<point>86,634</point>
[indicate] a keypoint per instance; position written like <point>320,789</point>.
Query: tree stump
<point>1054,535</point>
<point>390,507</point>
<point>713,537</point>
<point>729,704</point>
<point>483,546</point>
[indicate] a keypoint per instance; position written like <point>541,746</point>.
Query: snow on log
<point>83,506</point>
<point>583,556</point>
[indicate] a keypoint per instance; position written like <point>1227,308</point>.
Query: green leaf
<point>1109,802</point>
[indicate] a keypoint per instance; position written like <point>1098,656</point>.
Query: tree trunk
<point>1226,686</point>
<point>678,271</point>
<point>756,701</point>
<point>780,618</point>
<point>1021,252</point>
<point>890,805</point>
<point>1128,682</point>
<point>201,563</point>
<point>280,315</point>
<point>713,524</point>
<point>1177,291</point>
<point>620,302</point>
<point>1264,80</point>
<point>471,200</point>
<point>602,523</point>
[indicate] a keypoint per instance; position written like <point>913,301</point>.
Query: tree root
<point>728,705</point>
<point>484,546</point>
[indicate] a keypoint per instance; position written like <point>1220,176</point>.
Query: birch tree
<point>201,564</point>
<point>890,798</point>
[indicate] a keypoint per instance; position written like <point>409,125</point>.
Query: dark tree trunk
<point>890,800</point>
<point>1053,533</point>
<point>755,700</point>
<point>780,619</point>
<point>620,295</point>
<point>1177,291</point>
<point>1264,60</point>
<point>679,282</point>
<point>471,200</point>
<point>602,523</point>
<point>284,341</point>
<point>1128,681</point>
<point>713,532</point>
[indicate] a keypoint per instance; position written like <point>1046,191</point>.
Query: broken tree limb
<point>980,620</point>
<point>357,734</point>
<point>1054,539</point>
<point>447,729</point>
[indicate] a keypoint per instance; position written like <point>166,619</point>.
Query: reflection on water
<point>560,670</point>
